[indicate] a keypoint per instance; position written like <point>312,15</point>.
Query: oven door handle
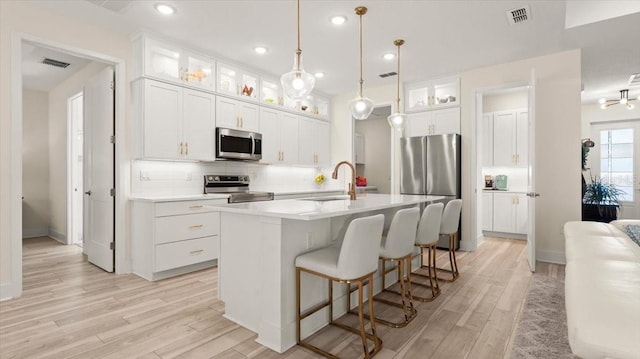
<point>253,145</point>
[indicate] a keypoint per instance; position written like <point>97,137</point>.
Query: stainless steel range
<point>236,186</point>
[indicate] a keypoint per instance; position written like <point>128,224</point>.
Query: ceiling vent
<point>634,80</point>
<point>519,15</point>
<point>388,74</point>
<point>56,63</point>
<point>118,6</point>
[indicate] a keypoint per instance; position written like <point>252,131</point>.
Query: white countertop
<point>487,190</point>
<point>172,198</point>
<point>309,191</point>
<point>305,209</point>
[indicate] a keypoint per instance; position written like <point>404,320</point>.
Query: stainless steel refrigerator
<point>430,165</point>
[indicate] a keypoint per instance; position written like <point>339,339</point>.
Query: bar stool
<point>397,247</point>
<point>356,260</point>
<point>449,226</point>
<point>427,238</point>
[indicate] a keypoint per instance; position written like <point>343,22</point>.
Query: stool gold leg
<point>298,305</point>
<point>361,317</point>
<point>377,343</point>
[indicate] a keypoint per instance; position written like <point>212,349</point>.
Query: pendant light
<point>398,120</point>
<point>297,83</point>
<point>360,106</point>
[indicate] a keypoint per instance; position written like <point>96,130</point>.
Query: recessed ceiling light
<point>260,50</point>
<point>165,9</point>
<point>389,56</point>
<point>338,20</point>
<point>319,75</point>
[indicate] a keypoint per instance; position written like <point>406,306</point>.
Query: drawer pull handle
<point>197,251</point>
<point>196,226</point>
<point>196,207</point>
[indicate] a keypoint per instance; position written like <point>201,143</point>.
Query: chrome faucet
<point>352,185</point>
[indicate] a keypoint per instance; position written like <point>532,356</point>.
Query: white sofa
<point>602,290</point>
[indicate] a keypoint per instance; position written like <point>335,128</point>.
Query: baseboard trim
<point>7,291</point>
<point>62,238</point>
<point>35,232</point>
<point>556,257</point>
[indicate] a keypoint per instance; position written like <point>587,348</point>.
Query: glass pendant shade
<point>297,83</point>
<point>361,107</point>
<point>397,121</point>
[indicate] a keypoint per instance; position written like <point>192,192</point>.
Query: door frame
<point>71,163</point>
<point>122,170</point>
<point>476,160</point>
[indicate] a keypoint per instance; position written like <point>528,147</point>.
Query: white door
<point>248,113</point>
<point>487,139</point>
<point>305,141</point>
<point>289,138</point>
<point>198,125</point>
<point>504,141</point>
<point>162,120</point>
<point>616,158</point>
<point>531,184</point>
<point>446,121</point>
<point>270,135</point>
<point>76,140</point>
<point>322,142</point>
<point>503,212</point>
<point>522,138</point>
<point>99,178</point>
<point>227,113</point>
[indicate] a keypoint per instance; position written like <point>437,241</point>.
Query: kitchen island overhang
<point>259,242</point>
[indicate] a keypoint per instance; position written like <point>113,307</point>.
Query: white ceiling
<point>42,77</point>
<point>442,37</point>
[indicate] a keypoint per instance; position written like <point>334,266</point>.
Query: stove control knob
<point>216,178</point>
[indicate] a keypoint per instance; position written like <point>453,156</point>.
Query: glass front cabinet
<point>428,95</point>
<point>174,64</point>
<point>237,82</point>
<point>271,94</point>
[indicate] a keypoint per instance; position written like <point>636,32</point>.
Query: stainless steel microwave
<point>238,145</point>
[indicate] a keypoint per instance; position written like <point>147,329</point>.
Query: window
<point>616,160</point>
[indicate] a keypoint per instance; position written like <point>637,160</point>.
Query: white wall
<point>17,17</point>
<point>376,152</point>
<point>35,164</point>
<point>58,131</point>
<point>557,113</point>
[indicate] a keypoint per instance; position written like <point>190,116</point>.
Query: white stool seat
<point>323,261</point>
<point>354,260</point>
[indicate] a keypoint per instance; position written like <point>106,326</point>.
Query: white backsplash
<point>162,178</point>
<point>516,177</point>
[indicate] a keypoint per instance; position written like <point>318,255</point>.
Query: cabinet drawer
<point>186,207</point>
<point>187,226</point>
<point>179,254</point>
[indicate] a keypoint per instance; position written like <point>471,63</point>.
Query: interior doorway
<point>20,50</point>
<point>372,141</point>
<point>504,164</point>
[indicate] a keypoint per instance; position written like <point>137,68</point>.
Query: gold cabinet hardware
<point>198,206</point>
<point>196,226</point>
<point>197,251</point>
<point>186,150</point>
<point>517,159</point>
<point>181,149</point>
<point>241,122</point>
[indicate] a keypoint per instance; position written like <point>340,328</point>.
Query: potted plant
<point>601,201</point>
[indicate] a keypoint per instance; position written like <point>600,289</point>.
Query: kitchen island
<point>259,242</point>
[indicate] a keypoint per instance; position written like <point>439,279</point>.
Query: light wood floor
<point>71,309</point>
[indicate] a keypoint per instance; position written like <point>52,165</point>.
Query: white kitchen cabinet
<point>239,115</point>
<point>172,63</point>
<point>510,134</point>
<point>359,148</point>
<point>235,81</point>
<point>173,122</point>
<point>313,141</point>
<point>279,136</point>
<point>434,122</point>
<point>173,238</point>
<point>433,94</point>
<point>487,211</point>
<point>487,140</point>
<point>510,213</point>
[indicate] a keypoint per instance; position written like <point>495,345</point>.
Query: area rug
<point>542,328</point>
